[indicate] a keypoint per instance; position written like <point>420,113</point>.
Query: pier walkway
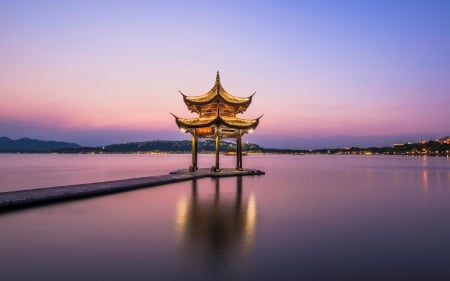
<point>39,196</point>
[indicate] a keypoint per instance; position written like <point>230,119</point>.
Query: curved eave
<point>217,92</point>
<point>235,123</point>
<point>229,98</point>
<point>194,122</point>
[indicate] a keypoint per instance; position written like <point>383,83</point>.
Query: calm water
<point>309,218</point>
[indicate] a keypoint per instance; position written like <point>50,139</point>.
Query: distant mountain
<point>438,147</point>
<point>32,145</point>
<point>173,146</point>
<point>170,146</point>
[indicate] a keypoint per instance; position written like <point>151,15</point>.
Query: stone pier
<point>39,196</point>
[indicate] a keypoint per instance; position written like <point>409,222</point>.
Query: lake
<point>311,217</point>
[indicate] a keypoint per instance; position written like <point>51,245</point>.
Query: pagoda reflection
<point>216,228</point>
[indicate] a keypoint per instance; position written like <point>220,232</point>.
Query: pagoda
<point>217,110</point>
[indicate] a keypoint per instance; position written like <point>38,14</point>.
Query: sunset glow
<point>324,71</point>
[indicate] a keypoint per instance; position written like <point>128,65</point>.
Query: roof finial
<point>217,78</point>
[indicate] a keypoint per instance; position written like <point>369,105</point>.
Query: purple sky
<point>326,73</point>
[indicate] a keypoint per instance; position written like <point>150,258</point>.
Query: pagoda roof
<point>231,122</point>
<point>217,91</point>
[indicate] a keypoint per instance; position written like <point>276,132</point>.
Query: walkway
<point>39,196</point>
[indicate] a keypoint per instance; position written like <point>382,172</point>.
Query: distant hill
<point>438,147</point>
<point>174,146</point>
<point>32,145</point>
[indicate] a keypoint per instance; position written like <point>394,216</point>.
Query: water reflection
<point>216,228</point>
<point>425,182</point>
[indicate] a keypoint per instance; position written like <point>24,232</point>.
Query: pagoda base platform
<point>226,172</point>
<point>32,197</point>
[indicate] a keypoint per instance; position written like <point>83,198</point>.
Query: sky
<point>326,73</point>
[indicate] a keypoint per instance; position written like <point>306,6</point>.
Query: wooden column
<point>216,135</point>
<point>240,157</point>
<point>239,152</point>
<point>194,166</point>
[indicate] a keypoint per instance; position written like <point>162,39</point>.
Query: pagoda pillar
<point>216,136</point>
<point>239,152</point>
<point>194,166</point>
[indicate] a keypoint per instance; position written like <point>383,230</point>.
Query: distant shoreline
<point>439,147</point>
<point>364,152</point>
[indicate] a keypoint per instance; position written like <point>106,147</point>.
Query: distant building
<point>398,145</point>
<point>444,140</point>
